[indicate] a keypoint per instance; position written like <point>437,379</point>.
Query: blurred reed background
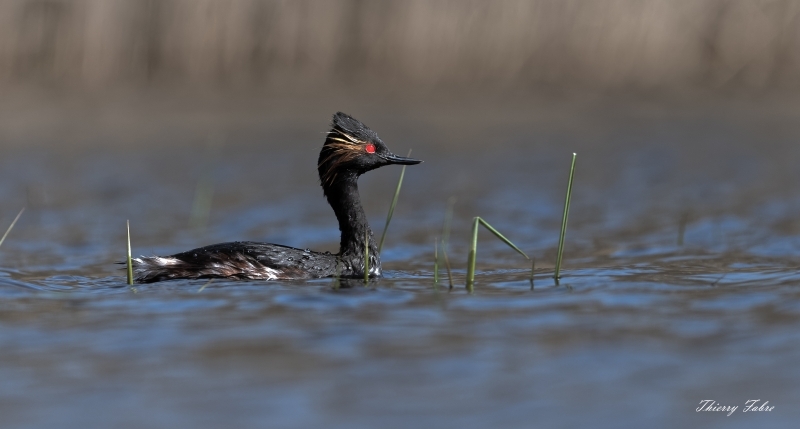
<point>458,45</point>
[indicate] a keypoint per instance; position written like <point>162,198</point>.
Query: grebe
<point>350,150</point>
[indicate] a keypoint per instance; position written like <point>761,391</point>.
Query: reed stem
<point>533,269</point>
<point>474,249</point>
<point>448,217</point>
<point>436,262</point>
<point>337,278</point>
<point>391,207</point>
<point>447,265</point>
<point>557,274</point>
<point>201,206</point>
<point>128,261</point>
<point>14,222</point>
<point>682,227</point>
<point>205,285</point>
<point>366,257</point>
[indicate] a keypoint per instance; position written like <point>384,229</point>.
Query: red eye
<point>370,148</point>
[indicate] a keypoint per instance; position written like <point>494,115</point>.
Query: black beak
<point>394,159</point>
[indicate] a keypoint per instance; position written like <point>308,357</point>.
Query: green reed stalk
<point>337,277</point>
<point>435,261</point>
<point>201,206</point>
<point>129,263</point>
<point>14,222</point>
<point>204,190</point>
<point>533,269</point>
<point>447,265</point>
<point>557,274</point>
<point>366,257</point>
<point>391,207</point>
<point>471,259</point>
<point>474,249</point>
<point>205,285</point>
<point>682,227</point>
<point>448,217</point>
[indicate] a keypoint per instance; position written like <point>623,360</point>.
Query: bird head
<point>352,148</point>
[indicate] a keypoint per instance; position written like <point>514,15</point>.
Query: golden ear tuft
<point>342,148</point>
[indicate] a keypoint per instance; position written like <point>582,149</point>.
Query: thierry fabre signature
<point>749,406</point>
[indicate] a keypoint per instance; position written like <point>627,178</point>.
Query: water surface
<point>680,282</point>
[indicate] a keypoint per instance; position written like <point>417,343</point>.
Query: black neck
<point>342,195</point>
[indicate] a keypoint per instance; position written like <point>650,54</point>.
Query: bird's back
<point>237,260</point>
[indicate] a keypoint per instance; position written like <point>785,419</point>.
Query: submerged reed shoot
<point>205,285</point>
<point>682,227</point>
<point>128,262</point>
<point>557,274</point>
<point>435,262</point>
<point>337,282</point>
<point>392,206</point>
<point>474,249</point>
<point>447,265</point>
<point>201,206</point>
<point>448,217</point>
<point>204,190</point>
<point>14,222</point>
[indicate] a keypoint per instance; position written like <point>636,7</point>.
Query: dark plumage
<point>350,150</point>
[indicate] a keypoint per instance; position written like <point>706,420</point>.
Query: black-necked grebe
<point>350,150</point>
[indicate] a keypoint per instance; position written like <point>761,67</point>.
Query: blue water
<point>639,331</point>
